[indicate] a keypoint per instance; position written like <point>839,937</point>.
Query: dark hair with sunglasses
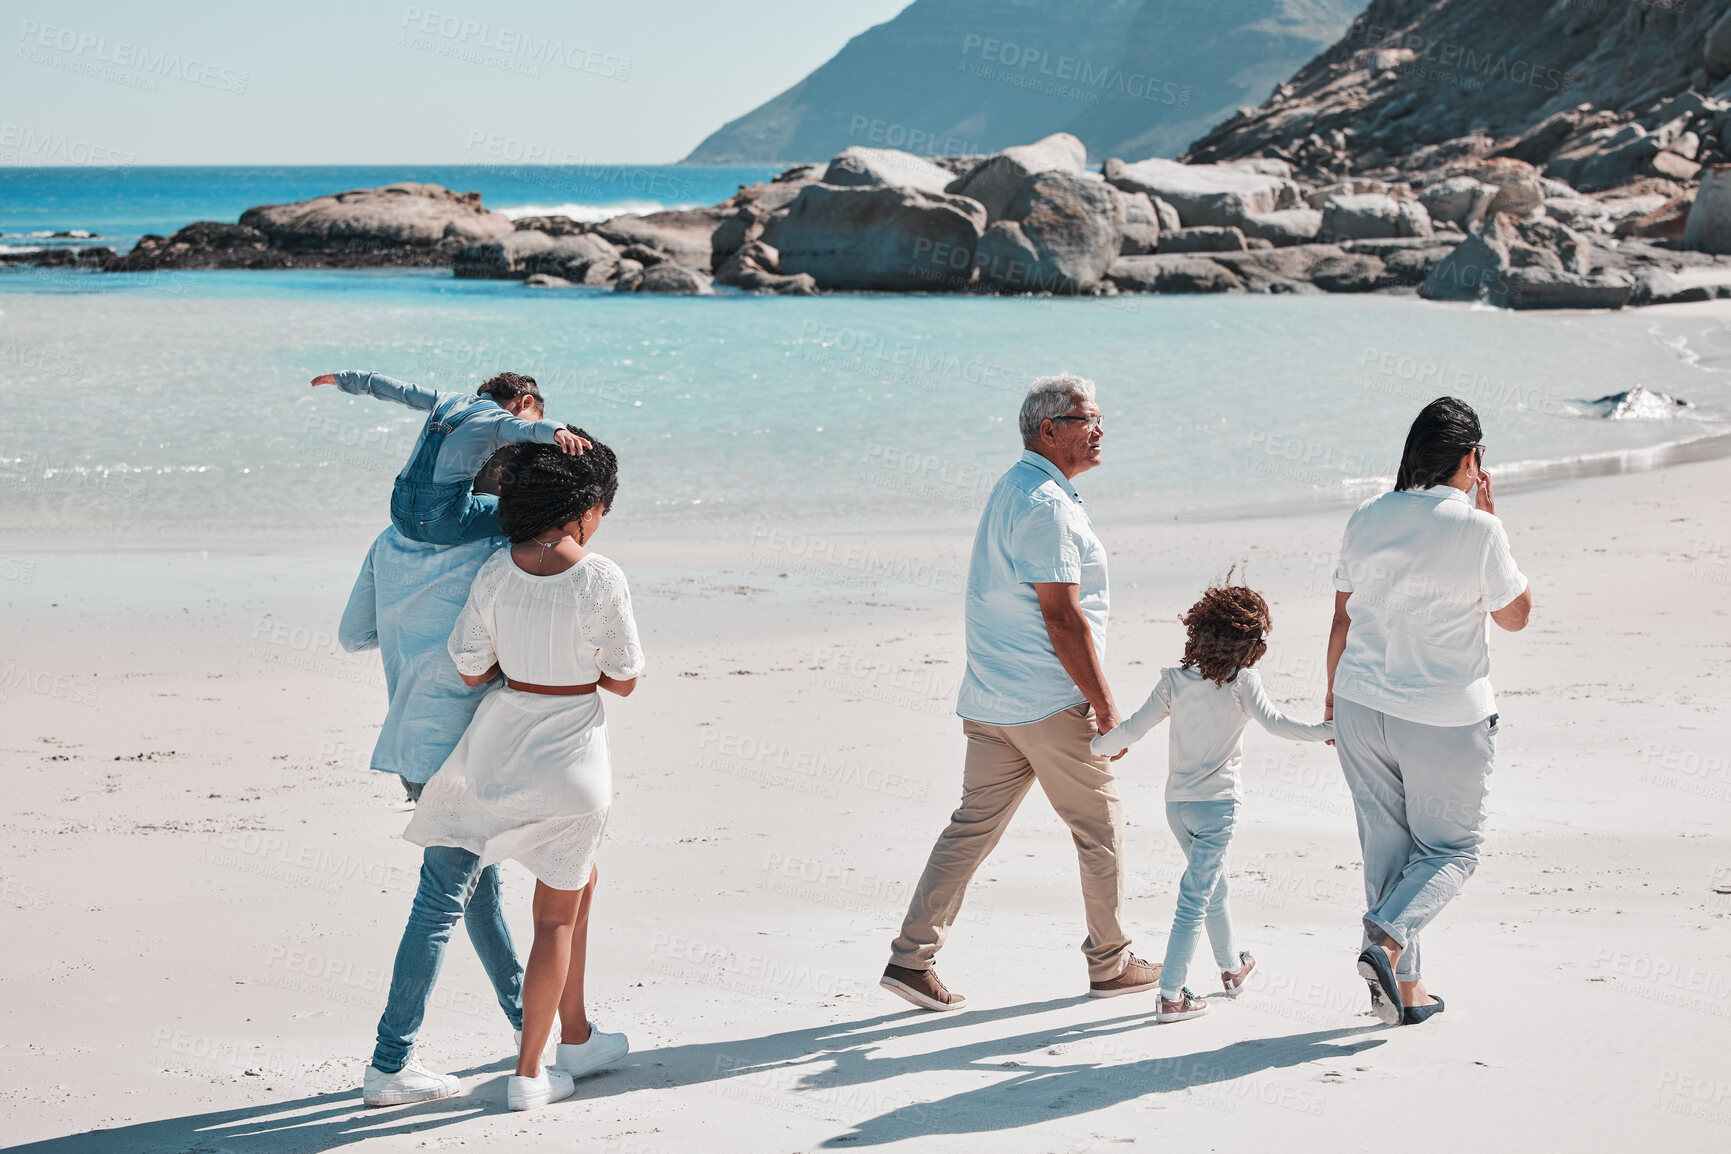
<point>1443,432</point>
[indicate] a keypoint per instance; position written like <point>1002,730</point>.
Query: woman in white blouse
<point>531,778</point>
<point>1422,571</point>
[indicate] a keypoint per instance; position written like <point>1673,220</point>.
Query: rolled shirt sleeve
<point>1500,578</point>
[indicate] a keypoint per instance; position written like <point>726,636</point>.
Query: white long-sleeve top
<point>1207,739</point>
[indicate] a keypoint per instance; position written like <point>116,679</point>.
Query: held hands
<point>327,379</point>
<point>1105,722</point>
<point>1328,713</point>
<point>567,440</point>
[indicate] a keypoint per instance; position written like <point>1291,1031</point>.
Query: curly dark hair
<point>1227,628</point>
<point>507,387</point>
<point>544,486</point>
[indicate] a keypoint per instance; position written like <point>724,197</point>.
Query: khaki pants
<point>1002,762</point>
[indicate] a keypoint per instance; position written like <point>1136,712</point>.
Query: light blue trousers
<point>1419,792</point>
<point>1204,833</point>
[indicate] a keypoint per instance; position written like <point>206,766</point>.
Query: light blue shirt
<point>468,446</point>
<point>1033,531</point>
<point>405,604</point>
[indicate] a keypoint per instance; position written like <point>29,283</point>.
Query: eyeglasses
<point>1090,423</point>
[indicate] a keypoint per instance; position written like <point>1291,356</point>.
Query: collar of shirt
<point>1443,492</point>
<point>1029,457</point>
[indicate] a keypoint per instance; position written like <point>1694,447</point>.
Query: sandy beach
<point>206,885</point>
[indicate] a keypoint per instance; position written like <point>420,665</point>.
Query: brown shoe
<point>1234,983</point>
<point>1137,976</point>
<point>921,987</point>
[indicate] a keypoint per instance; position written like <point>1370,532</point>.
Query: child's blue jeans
<point>448,514</point>
<point>1204,833</point>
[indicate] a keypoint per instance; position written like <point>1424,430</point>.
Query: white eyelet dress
<point>531,779</point>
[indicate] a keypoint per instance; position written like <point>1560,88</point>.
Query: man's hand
<point>1328,713</point>
<point>570,442</point>
<point>327,379</point>
<point>1486,500</point>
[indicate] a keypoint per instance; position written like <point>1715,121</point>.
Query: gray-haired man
<point>1033,697</point>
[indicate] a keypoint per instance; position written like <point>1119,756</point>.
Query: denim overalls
<point>449,513</point>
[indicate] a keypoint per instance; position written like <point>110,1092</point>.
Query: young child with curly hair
<point>1211,695</point>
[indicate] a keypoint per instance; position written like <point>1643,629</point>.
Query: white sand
<point>205,886</point>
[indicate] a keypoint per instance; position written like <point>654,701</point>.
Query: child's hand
<point>565,439</point>
<point>327,379</point>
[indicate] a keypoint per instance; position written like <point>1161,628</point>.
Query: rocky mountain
<point>1597,93</point>
<point>1127,77</point>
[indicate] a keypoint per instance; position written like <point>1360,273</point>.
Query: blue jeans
<point>1204,833</point>
<point>448,514</point>
<point>451,888</point>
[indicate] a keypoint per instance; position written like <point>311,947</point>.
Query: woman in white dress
<point>531,778</point>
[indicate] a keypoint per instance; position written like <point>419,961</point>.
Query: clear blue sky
<point>450,81</point>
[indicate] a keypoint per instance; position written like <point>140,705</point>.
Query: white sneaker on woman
<point>413,1083</point>
<point>528,1093</point>
<point>598,1053</point>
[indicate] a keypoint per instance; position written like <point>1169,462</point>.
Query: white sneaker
<point>598,1053</point>
<point>413,1083</point>
<point>528,1093</point>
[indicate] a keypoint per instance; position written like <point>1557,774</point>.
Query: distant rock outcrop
<point>396,217</point>
<point>1127,77</point>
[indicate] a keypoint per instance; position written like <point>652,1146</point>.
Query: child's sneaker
<point>1185,1005</point>
<point>1234,980</point>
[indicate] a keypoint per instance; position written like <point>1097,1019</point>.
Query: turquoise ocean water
<point>175,405</point>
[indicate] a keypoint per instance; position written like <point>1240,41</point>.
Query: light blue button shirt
<point>1033,531</point>
<point>405,604</point>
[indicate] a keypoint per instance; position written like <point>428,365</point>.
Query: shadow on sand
<point>820,1061</point>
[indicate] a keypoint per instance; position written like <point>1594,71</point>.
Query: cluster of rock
<point>1037,219</point>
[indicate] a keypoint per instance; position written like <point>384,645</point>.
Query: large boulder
<point>888,239</point>
<point>756,268</point>
<point>1347,273</point>
<point>1481,267</point>
<point>859,166</point>
<point>573,257</point>
<point>666,278</point>
<point>684,235</point>
<point>1669,220</point>
<point>1709,224</point>
<point>997,179</point>
<point>1140,232</point>
<point>1287,226</point>
<point>1517,186</point>
<point>1537,288</point>
<point>1277,270</point>
<point>201,244</point>
<point>510,257</point>
<point>1203,238</point>
<point>1459,200</point>
<point>1476,266</point>
<point>1205,194</point>
<point>1360,216</point>
<point>1605,158</point>
<point>1060,233</point>
<point>1172,274</point>
<point>406,215</point>
<point>1410,266</point>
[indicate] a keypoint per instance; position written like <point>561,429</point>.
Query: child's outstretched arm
<point>1262,711</point>
<point>360,382</point>
<point>1134,728</point>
